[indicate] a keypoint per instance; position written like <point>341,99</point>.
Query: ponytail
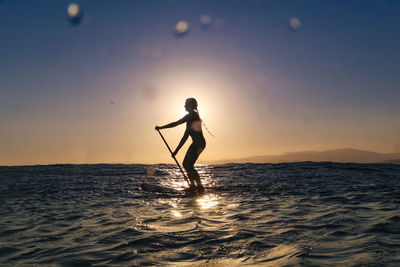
<point>204,123</point>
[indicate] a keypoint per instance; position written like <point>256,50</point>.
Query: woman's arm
<point>172,124</point>
<point>181,143</point>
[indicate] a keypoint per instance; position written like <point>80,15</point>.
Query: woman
<point>193,128</point>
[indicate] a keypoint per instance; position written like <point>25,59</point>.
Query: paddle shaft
<point>174,157</point>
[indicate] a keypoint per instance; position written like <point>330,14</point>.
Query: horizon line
<point>222,161</point>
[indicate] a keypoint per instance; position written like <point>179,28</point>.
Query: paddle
<point>174,157</point>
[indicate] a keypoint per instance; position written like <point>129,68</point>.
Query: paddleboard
<point>159,189</point>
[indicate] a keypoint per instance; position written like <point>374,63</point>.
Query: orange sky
<point>123,132</point>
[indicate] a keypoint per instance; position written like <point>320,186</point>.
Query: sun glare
<point>207,201</point>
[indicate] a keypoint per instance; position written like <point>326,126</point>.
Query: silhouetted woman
<point>193,128</point>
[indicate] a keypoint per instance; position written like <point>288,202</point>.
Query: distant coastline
<point>335,155</point>
<point>345,155</point>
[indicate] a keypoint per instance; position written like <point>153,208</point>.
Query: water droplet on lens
<point>74,13</point>
<point>294,24</point>
<point>181,28</point>
<point>205,20</point>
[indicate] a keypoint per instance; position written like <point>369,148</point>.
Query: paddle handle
<point>173,156</point>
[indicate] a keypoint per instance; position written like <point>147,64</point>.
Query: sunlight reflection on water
<point>207,201</point>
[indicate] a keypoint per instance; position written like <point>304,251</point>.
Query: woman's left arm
<point>172,124</point>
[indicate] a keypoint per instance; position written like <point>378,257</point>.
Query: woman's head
<point>191,104</point>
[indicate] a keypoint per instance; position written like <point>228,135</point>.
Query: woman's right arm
<point>172,124</point>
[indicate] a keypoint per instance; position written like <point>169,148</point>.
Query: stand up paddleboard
<point>159,189</point>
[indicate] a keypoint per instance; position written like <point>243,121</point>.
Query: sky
<point>92,92</point>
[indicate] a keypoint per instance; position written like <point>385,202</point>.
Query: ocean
<point>289,214</point>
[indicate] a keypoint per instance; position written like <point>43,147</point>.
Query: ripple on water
<point>258,214</point>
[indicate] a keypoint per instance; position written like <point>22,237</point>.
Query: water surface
<point>307,213</point>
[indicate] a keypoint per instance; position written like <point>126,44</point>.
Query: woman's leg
<point>196,174</point>
<point>188,163</point>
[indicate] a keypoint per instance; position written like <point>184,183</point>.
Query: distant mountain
<point>337,155</point>
<point>394,161</point>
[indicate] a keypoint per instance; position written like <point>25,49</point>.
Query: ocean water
<point>293,214</point>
